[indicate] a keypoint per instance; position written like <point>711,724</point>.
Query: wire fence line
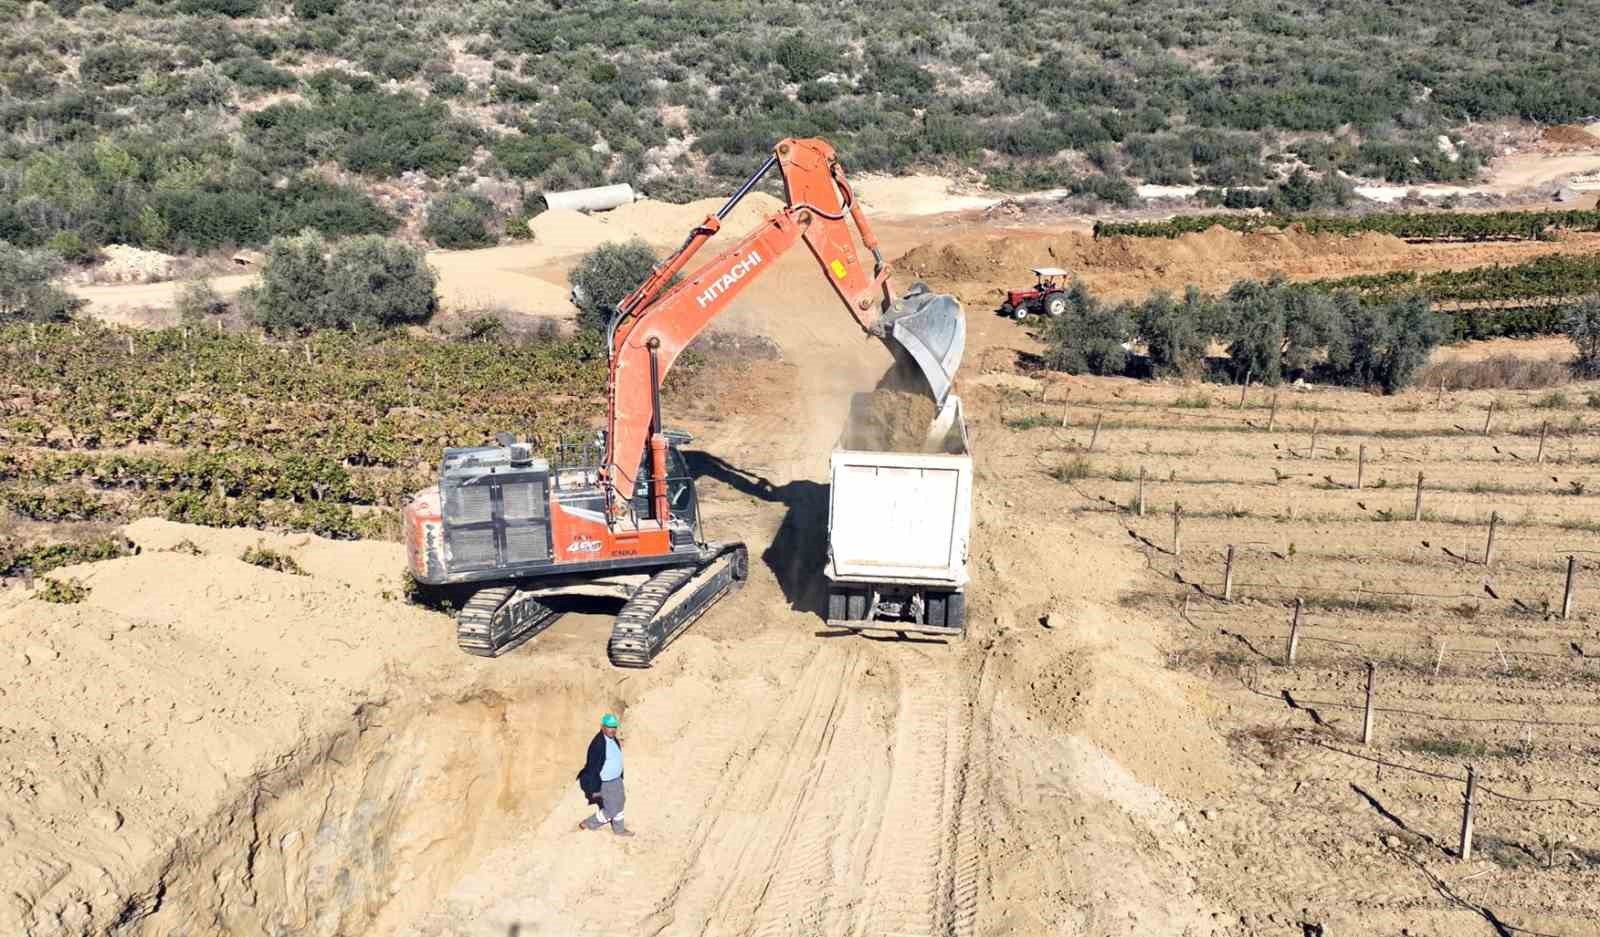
<point>1573,802</point>
<point>1433,648</point>
<point>1279,696</point>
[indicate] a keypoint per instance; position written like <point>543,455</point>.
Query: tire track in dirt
<point>925,871</point>
<point>747,831</point>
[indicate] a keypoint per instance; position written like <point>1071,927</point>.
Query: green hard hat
<point>609,721</point>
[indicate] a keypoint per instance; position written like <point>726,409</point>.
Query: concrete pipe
<point>599,198</point>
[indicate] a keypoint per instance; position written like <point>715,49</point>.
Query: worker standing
<point>601,779</point>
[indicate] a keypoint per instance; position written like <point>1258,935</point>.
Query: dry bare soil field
<point>208,746</point>
<point>1475,664</point>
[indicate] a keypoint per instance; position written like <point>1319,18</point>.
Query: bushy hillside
<point>192,124</point>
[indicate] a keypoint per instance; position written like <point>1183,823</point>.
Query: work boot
<point>590,823</point>
<point>618,828</point>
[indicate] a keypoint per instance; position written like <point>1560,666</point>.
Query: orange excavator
<point>619,515</point>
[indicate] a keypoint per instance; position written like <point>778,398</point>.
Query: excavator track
<point>671,601</point>
<point>500,619</point>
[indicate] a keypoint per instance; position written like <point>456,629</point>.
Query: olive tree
<point>1583,327</point>
<point>604,276</point>
<point>367,282</point>
<point>26,290</point>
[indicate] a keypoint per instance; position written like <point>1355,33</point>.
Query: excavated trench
<point>361,830</point>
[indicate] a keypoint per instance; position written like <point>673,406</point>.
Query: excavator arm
<point>659,319</point>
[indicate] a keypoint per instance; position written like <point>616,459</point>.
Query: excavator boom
<point>656,321</point>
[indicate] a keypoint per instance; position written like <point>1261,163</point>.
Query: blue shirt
<point>612,769</point>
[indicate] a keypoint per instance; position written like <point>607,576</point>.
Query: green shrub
<point>229,8</point>
<point>461,220</point>
<point>448,85</point>
<point>15,561</point>
<point>528,156</point>
<point>255,73</point>
<point>198,299</point>
<point>113,64</point>
<point>1074,469</point>
<point>506,88</point>
<point>334,210</point>
<point>314,9</point>
<point>802,58</point>
<point>1583,328</point>
<point>62,591</point>
<point>26,287</point>
<point>604,276</point>
<point>260,555</point>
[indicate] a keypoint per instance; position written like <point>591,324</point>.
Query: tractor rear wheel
<point>1055,304</point>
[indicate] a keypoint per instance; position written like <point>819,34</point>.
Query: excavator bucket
<point>931,329</point>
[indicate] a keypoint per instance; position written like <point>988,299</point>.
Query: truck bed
<point>903,517</point>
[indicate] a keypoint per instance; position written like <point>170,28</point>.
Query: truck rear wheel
<point>856,607</point>
<point>955,611</point>
<point>838,601</point>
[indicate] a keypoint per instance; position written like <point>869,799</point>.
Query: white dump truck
<point>898,530</point>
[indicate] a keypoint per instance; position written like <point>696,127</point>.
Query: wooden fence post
<point>1466,815</point>
<point>1272,415</point>
<point>1488,548</point>
<point>1438,403</point>
<point>1294,631</point>
<point>1227,576</point>
<point>1361,464</point>
<point>1544,430</point>
<point>1313,454</point>
<point>1366,719</point>
<point>1487,417</point>
<point>1095,436</point>
<point>1141,491</point>
<point>1566,594</point>
<point>1177,530</point>
<point>1416,513</point>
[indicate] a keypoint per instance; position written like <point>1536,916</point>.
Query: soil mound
<point>1570,136</point>
<point>662,225</point>
<point>565,229</point>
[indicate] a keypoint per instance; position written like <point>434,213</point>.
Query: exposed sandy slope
<point>264,753</point>
<point>342,769</point>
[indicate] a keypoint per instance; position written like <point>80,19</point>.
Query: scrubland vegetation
<point>187,125</point>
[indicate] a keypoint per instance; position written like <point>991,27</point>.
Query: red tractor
<point>1048,295</point>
